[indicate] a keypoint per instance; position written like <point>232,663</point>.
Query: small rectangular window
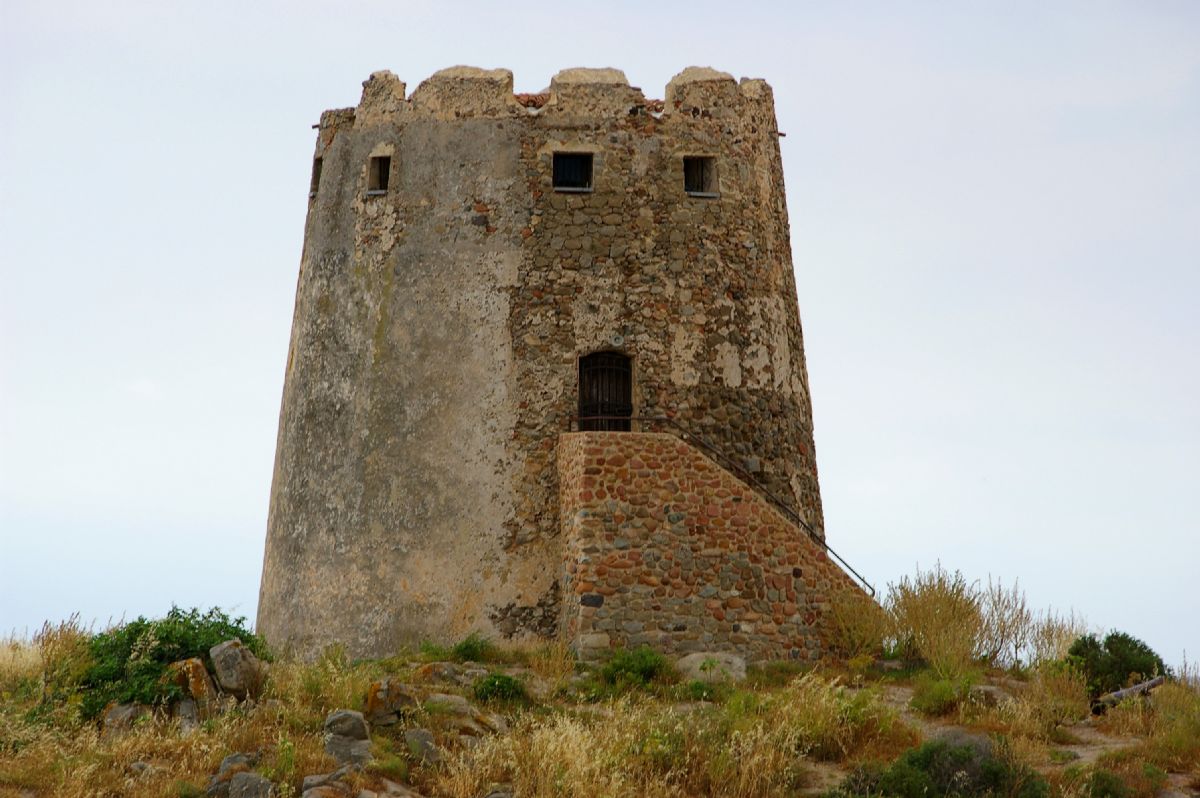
<point>572,171</point>
<point>379,173</point>
<point>316,178</point>
<point>700,176</point>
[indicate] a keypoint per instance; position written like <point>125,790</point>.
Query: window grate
<point>700,176</point>
<point>573,171</point>
<point>605,392</point>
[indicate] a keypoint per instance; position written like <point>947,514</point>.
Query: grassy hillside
<point>948,688</point>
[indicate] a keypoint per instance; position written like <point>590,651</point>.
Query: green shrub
<point>130,661</point>
<point>500,687</point>
<point>634,668</point>
<point>1106,784</point>
<point>473,648</point>
<point>938,697</point>
<point>960,766</point>
<point>1115,662</point>
<point>697,690</point>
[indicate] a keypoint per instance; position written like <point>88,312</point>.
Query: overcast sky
<point>995,214</point>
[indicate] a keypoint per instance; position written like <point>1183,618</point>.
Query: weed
<point>473,648</point>
<point>939,697</point>
<point>858,625</point>
<point>634,667</point>
<point>1052,635</point>
<point>938,616</point>
<point>1007,624</point>
<point>500,687</point>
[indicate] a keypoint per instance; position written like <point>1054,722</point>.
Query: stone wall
<point>665,548</point>
<point>438,326</point>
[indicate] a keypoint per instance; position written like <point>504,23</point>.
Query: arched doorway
<point>605,392</point>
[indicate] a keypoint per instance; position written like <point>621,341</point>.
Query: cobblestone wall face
<point>439,323</point>
<point>663,547</point>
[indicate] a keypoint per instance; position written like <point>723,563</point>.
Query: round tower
<point>484,272</point>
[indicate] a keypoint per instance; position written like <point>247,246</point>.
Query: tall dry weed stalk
<point>938,616</point>
<point>858,625</point>
<point>1052,634</point>
<point>1007,624</point>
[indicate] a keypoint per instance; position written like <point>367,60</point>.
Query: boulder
<point>118,719</point>
<point>347,737</point>
<point>326,779</point>
<point>250,785</point>
<point>389,699</point>
<point>458,713</point>
<point>333,790</point>
<point>987,695</point>
<point>712,666</point>
<point>238,671</point>
<point>232,765</point>
<point>393,790</point>
<point>192,676</point>
<point>186,712</point>
<point>347,723</point>
<point>421,745</point>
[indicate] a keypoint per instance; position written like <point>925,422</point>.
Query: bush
<point>938,616</point>
<point>473,648</point>
<point>938,697</point>
<point>129,662</point>
<point>1114,663</point>
<point>858,625</point>
<point>500,687</point>
<point>963,767</point>
<point>1008,624</point>
<point>634,668</point>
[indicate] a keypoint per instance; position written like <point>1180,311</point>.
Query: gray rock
<point>188,714</point>
<point>347,723</point>
<point>335,789</point>
<point>421,745</point>
<point>449,704</point>
<point>388,699</point>
<point>347,750</point>
<point>119,719</point>
<point>232,765</point>
<point>394,790</point>
<point>250,785</point>
<point>987,695</point>
<point>712,667</point>
<point>238,671</point>
<point>325,779</point>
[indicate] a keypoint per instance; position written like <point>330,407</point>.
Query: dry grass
<point>754,745</point>
<point>1055,696</point>
<point>554,662</point>
<point>1052,634</point>
<point>1168,723</point>
<point>939,616</point>
<point>1007,624</point>
<point>859,627</point>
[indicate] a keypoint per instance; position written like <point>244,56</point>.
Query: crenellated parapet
<point>466,92</point>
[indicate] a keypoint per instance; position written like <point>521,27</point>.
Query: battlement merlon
<point>471,92</point>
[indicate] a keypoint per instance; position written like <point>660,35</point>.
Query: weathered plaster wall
<point>437,328</point>
<point>665,548</point>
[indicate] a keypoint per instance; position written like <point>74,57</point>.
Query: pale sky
<point>995,214</point>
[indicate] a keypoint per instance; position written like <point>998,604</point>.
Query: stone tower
<point>546,375</point>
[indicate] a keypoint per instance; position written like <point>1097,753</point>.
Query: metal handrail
<point>738,470</point>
